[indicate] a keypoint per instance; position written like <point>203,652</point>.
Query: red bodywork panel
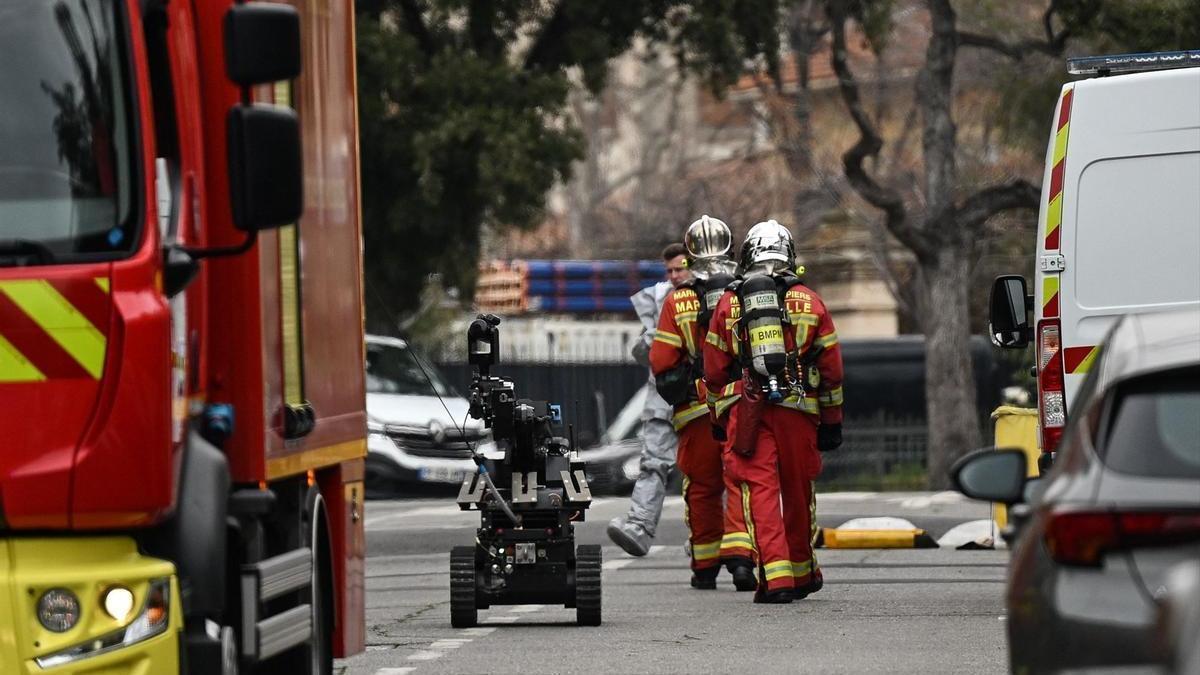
<point>92,438</point>
<point>244,298</point>
<point>89,446</point>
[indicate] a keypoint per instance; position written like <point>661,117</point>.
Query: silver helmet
<point>707,238</point>
<point>708,241</point>
<point>769,246</point>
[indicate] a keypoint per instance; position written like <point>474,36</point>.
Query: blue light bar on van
<point>1130,63</point>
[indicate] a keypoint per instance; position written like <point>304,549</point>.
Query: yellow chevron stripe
<point>1054,214</point>
<point>102,282</point>
<point>1049,289</point>
<point>1060,144</point>
<point>14,367</point>
<point>1086,364</point>
<point>59,318</point>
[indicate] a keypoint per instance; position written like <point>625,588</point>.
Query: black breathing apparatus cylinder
<point>762,320</point>
<point>710,294</point>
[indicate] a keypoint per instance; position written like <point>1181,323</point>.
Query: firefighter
<point>634,531</point>
<point>675,357</point>
<point>775,335</point>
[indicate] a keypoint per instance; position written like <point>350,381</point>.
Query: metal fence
<point>878,453</point>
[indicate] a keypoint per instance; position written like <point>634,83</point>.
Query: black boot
<point>743,577</point>
<point>814,584</point>
<point>705,579</point>
<point>780,596</point>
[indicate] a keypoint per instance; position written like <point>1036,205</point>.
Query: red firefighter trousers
<point>776,487</point>
<point>717,533</point>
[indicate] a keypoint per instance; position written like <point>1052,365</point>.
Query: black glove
<point>829,437</point>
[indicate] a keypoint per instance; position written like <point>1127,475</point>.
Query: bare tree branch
<point>979,207</point>
<point>1052,45</point>
<point>869,144</point>
<point>1014,50</point>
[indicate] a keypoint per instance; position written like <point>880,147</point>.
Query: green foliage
<point>462,113</point>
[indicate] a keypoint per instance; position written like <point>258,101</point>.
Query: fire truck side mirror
<point>266,184</point>
<point>1008,319</point>
<point>262,43</point>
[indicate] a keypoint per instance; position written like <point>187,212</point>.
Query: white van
<point>1119,225</point>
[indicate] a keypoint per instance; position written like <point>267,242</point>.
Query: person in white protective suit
<point>634,531</point>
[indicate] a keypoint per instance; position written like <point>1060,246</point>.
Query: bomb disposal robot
<point>524,550</point>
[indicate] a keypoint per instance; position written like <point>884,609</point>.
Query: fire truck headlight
<point>153,619</point>
<point>118,603</point>
<point>58,610</point>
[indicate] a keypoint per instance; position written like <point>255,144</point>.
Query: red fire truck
<point>182,423</point>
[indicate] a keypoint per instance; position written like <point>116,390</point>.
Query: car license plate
<point>441,474</point>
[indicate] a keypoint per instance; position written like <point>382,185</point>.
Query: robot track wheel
<point>463,612</point>
<point>587,585</point>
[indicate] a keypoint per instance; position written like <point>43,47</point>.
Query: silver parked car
<point>1099,534</point>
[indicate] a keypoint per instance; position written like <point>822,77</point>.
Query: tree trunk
<point>949,377</point>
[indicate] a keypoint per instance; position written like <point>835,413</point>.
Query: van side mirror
<point>1008,318</point>
<point>266,183</point>
<point>262,43</point>
<point>991,474</point>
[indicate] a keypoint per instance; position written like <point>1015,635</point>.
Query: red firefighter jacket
<point>678,340</point>
<point>811,328</point>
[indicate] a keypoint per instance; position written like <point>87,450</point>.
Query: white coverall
<point>659,440</point>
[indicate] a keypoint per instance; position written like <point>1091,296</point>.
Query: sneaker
<point>629,536</point>
<point>706,579</point>
<point>744,578</point>
<point>779,596</point>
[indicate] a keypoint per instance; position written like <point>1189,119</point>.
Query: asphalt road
<point>894,611</point>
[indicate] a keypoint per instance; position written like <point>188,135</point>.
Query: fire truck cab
<point>1119,227</point>
<point>181,343</point>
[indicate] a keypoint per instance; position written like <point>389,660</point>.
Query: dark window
<point>398,370</point>
<point>66,186</point>
<point>1155,427</point>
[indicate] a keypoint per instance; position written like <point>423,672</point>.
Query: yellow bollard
<point>1016,428</point>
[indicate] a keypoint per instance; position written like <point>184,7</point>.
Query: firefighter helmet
<point>707,238</point>
<point>768,244</point>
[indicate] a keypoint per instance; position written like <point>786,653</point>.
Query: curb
<point>833,537</point>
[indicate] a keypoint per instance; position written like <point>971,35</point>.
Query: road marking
<point>477,632</point>
<point>449,643</point>
<point>525,609</point>
<point>502,619</point>
<point>628,559</point>
<point>846,496</point>
<point>425,655</point>
<point>394,671</point>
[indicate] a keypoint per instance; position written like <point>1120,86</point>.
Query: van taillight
<point>1082,537</point>
<point>1052,408</point>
